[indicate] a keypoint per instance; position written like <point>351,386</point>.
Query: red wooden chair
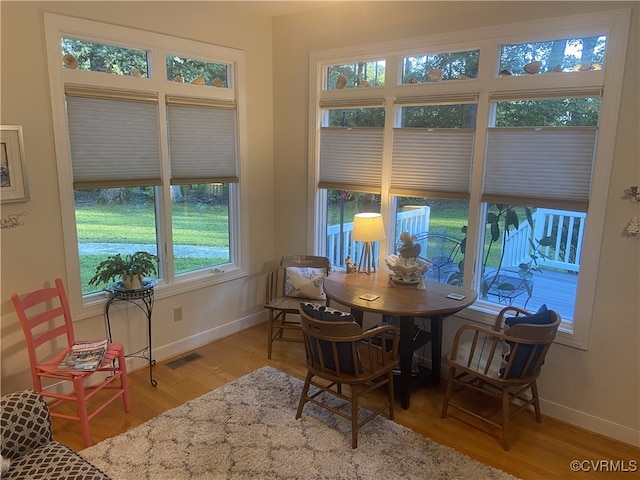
<point>48,328</point>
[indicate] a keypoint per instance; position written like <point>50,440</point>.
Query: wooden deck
<point>556,289</point>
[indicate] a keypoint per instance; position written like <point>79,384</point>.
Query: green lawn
<point>202,225</point>
<point>134,223</point>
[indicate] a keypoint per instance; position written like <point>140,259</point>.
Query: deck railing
<point>566,229</point>
<point>411,219</point>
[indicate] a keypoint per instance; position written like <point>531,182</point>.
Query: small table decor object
<point>143,299</point>
<point>407,267</point>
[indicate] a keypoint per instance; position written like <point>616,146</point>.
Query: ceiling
<point>277,8</point>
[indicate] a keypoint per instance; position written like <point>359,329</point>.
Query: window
<point>440,67</point>
<point>554,56</point>
<point>356,75</point>
<point>198,72</point>
<point>544,157</point>
<point>99,57</point>
<point>350,171</point>
<point>149,144</point>
<point>342,206</point>
<point>490,154</point>
<point>202,152</point>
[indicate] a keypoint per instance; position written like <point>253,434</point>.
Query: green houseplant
<point>495,281</point>
<point>131,268</point>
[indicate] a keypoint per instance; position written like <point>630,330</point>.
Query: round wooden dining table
<point>406,302</point>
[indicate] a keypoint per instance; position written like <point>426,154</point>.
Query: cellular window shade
<point>431,162</point>
<point>202,144</point>
<point>451,99</point>
<point>351,159</point>
<point>114,142</point>
<point>572,92</point>
<point>545,167</point>
<point>352,102</point>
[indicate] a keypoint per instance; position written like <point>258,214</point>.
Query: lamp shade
<point>368,227</point>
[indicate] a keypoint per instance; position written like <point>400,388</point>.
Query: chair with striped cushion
<point>339,354</point>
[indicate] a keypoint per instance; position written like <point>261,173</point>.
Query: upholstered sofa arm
<point>25,423</point>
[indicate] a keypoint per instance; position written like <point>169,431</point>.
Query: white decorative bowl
<point>407,270</point>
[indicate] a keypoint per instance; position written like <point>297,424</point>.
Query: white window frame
<point>57,27</point>
<point>615,24</point>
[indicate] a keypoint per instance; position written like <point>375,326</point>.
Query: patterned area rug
<point>247,430</point>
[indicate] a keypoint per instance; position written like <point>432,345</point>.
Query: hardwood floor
<point>539,451</point>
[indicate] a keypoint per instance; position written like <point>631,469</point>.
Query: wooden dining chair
<point>48,328</point>
<point>504,362</point>
<point>298,278</point>
<point>338,353</point>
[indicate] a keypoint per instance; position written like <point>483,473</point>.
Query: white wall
<point>598,389</point>
<point>33,253</point>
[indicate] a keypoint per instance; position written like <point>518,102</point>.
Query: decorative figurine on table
<point>350,266</point>
<point>408,248</point>
<point>407,267</point>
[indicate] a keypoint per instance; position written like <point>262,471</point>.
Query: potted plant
<point>131,268</point>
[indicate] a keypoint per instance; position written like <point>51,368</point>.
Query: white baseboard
<point>203,338</point>
<point>590,422</point>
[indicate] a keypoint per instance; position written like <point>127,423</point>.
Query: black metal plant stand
<point>143,299</point>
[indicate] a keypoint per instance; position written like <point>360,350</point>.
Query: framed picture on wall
<point>13,185</point>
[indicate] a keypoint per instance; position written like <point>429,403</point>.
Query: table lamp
<point>367,228</point>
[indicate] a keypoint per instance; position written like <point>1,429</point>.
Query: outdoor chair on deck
<point>505,364</point>
<point>298,278</point>
<point>338,353</point>
<point>442,251</point>
<point>48,328</point>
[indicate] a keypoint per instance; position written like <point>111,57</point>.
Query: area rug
<point>247,430</point>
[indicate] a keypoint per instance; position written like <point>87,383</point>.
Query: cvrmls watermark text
<point>620,466</point>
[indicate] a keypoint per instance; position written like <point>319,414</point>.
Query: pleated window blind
<point>351,159</point>
<point>546,167</point>
<point>114,138</point>
<point>202,141</point>
<point>432,162</point>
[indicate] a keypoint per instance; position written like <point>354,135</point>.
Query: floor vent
<point>179,362</point>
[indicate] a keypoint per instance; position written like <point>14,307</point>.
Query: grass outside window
<point>117,226</point>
